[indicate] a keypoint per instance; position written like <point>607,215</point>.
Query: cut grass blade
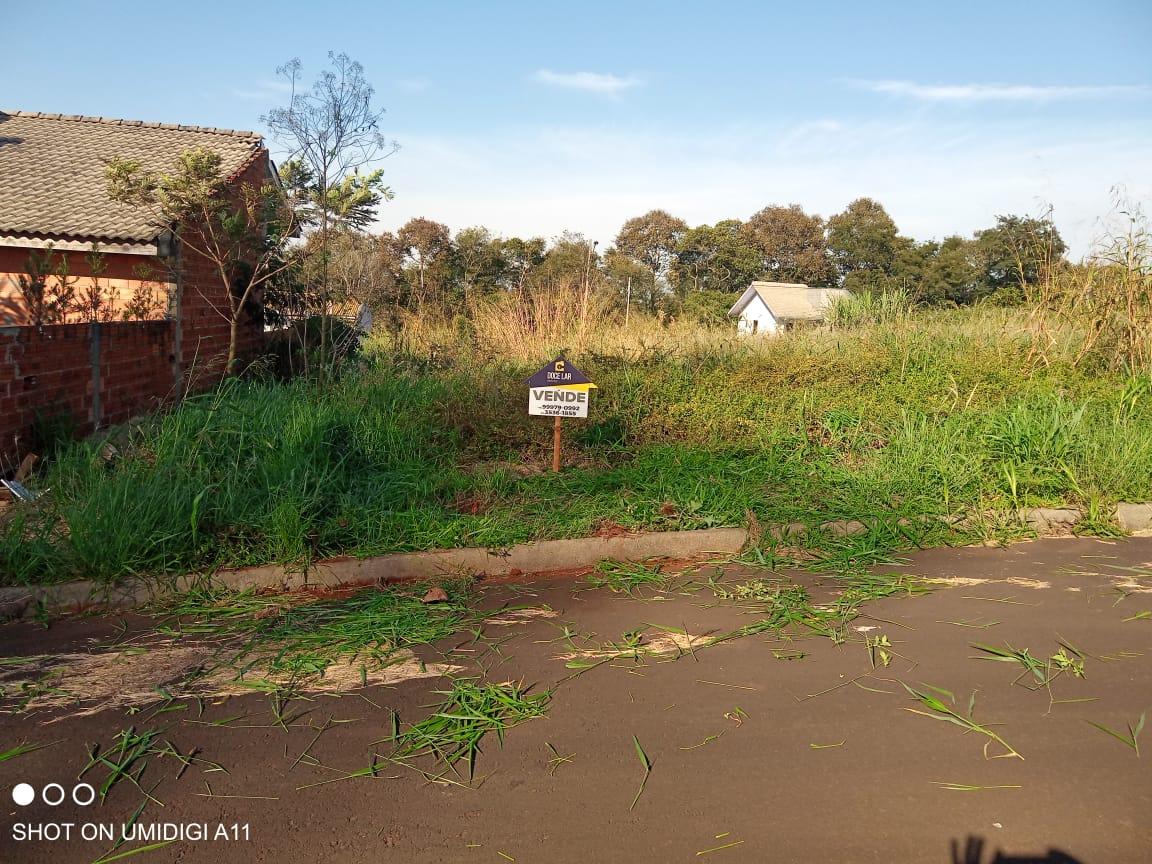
<point>22,749</point>
<point>974,623</point>
<point>647,763</point>
<point>1129,740</point>
<point>300,635</point>
<point>939,710</point>
<point>965,787</point>
<point>468,713</point>
<point>718,848</point>
<point>627,577</point>
<point>151,847</point>
<point>557,759</point>
<point>129,756</point>
<point>707,740</point>
<point>1066,659</point>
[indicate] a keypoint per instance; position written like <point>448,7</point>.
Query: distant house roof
<point>789,301</point>
<point>52,186</point>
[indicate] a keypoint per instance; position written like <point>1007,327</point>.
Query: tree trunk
<point>233,339</point>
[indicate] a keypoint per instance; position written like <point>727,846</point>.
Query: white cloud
<point>413,85</point>
<point>591,82</point>
<point>957,93</point>
<point>264,91</point>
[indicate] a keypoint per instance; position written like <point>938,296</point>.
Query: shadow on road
<point>972,852</point>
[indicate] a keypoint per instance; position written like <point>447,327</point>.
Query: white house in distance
<point>769,307</point>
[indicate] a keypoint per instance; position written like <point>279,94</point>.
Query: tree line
<point>659,264</point>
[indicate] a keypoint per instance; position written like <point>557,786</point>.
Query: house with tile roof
<point>766,308</point>
<point>92,368</point>
<point>54,204</point>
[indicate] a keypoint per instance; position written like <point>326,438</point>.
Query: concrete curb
<point>536,557</point>
<point>539,557</point>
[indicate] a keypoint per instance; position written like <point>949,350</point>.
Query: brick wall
<point>204,309</point>
<point>95,375</point>
<point>79,376</point>
<point>120,283</point>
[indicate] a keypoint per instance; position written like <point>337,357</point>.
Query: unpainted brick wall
<point>79,376</point>
<point>204,310</point>
<point>95,375</point>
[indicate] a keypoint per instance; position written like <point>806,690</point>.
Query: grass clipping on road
<point>469,712</point>
<point>212,642</point>
<point>300,635</point>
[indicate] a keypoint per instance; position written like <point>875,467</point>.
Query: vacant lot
<point>909,427</point>
<point>718,711</point>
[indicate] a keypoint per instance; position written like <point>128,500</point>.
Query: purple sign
<point>558,372</point>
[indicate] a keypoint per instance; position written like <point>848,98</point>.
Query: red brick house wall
<point>204,306</point>
<point>97,375</point>
<point>86,375</point>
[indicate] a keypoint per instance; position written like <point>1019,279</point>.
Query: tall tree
<point>720,257</point>
<point>631,282</point>
<point>571,257</point>
<point>427,248</point>
<point>952,273</point>
<point>478,261</point>
<point>864,244</point>
<point>652,240</point>
<point>790,244</point>
<point>521,258</point>
<point>350,203</point>
<point>1016,252</point>
<point>332,130</point>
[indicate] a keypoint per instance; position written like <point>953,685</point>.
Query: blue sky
<point>534,117</point>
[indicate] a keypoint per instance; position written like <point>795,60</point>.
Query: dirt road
<point>761,748</point>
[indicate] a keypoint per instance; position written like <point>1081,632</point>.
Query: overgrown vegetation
<point>923,428</point>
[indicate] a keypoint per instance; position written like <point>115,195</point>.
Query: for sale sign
<point>559,390</point>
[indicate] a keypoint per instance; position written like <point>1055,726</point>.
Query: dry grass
<point>532,327</point>
<point>561,317</point>
<point>1104,304</point>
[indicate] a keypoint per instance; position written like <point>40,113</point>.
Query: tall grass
<point>1104,303</point>
<point>564,316</point>
<point>933,415</point>
<point>884,307</point>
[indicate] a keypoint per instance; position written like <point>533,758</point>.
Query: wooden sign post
<point>558,390</point>
<point>556,445</point>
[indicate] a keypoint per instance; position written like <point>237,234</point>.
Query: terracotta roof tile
<point>52,170</point>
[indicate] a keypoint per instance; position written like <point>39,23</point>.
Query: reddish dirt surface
<point>755,756</point>
<point>609,529</point>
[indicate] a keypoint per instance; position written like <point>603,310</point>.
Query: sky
<point>533,118</point>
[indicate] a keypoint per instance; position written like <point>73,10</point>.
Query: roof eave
<point>744,300</point>
<point>73,243</point>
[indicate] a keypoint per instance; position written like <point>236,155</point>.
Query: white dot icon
<point>23,794</point>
